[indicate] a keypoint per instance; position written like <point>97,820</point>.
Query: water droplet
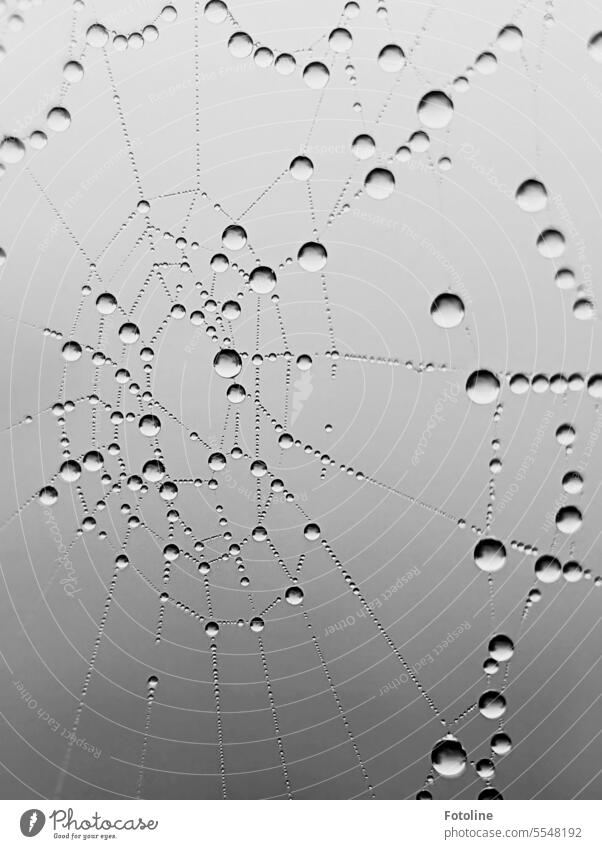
<point>379,183</point>
<point>485,768</point>
<point>501,743</point>
<point>489,793</point>
<point>449,758</point>
<point>262,280</point>
<point>316,75</point>
<point>70,471</point>
<point>217,461</point>
<point>93,461</point>
<point>312,256</point>
<point>312,531</point>
<point>547,569</point>
<point>447,310</point>
<point>572,482</point>
<point>106,303</point>
<point>594,47</point>
<point>231,310</point>
<point>489,555</point>
<point>236,393</point>
<point>532,196</point>
<point>492,705</point>
<point>211,629</point>
<point>58,119</point>
<point>227,363</point>
<point>48,496</point>
<point>363,146</point>
<point>234,237</point>
<point>301,168</point>
<point>565,434</point>
<point>501,648</point>
<point>12,150</point>
<point>285,64</point>
<point>129,333</point>
<point>240,45</point>
<point>153,471</point>
<point>71,351</point>
<point>149,425</point>
<point>565,278</point>
<point>486,63</point>
<point>510,38</point>
<point>583,309</point>
<point>391,58</point>
<point>482,387</point>
<point>551,243</point>
<point>572,572</point>
<point>569,519</point>
<point>216,11</point>
<point>294,595</point>
<point>340,40</point>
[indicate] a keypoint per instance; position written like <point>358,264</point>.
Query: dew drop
<point>312,256</point>
<point>482,387</point>
<point>301,168</point>
<point>547,569</point>
<point>391,58</point>
<point>316,75</point>
<point>379,183</point>
<point>435,110</point>
<point>448,758</point>
<point>532,196</point>
<point>447,310</point>
<point>489,555</point>
<point>492,705</point>
<point>227,363</point>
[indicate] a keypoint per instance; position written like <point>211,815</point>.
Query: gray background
<point>538,115</point>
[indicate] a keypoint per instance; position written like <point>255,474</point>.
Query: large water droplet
<point>447,310</point>
<point>227,363</point>
<point>379,183</point>
<point>435,110</point>
<point>449,758</point>
<point>482,387</point>
<point>489,555</point>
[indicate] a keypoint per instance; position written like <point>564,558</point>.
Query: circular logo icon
<point>32,822</point>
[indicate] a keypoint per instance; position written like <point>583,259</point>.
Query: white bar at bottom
<point>308,824</point>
